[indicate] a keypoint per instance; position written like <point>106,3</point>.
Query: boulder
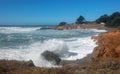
<point>50,56</point>
<point>30,63</point>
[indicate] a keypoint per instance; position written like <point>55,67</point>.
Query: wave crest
<point>17,29</point>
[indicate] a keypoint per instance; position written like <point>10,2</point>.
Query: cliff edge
<point>108,45</point>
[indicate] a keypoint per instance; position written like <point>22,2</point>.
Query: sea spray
<point>17,43</point>
<point>57,46</point>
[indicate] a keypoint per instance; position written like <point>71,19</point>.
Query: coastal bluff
<point>108,45</point>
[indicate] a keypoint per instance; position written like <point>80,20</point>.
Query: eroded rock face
<point>108,46</point>
<point>50,56</point>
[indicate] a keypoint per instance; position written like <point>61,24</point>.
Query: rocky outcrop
<point>108,45</point>
<point>50,56</point>
<point>80,26</point>
<point>68,27</point>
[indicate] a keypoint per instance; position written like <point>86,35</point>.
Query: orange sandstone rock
<point>108,45</point>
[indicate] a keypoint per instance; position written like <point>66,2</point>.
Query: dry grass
<point>109,66</point>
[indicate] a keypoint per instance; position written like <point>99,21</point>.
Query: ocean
<point>27,43</point>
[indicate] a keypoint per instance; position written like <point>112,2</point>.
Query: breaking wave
<point>17,29</point>
<point>69,44</point>
<point>67,50</point>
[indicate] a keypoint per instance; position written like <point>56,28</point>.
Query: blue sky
<point>49,12</point>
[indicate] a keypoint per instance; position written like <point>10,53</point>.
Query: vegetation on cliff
<point>111,20</point>
<point>62,23</point>
<point>108,66</point>
<point>80,20</point>
<point>104,18</point>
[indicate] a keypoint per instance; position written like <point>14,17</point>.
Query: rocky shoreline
<point>81,26</point>
<point>78,26</point>
<point>105,59</point>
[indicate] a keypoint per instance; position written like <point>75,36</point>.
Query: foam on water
<point>56,46</point>
<point>95,30</point>
<point>80,46</point>
<point>17,29</point>
<point>70,48</point>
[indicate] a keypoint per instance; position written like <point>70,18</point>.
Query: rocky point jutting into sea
<point>105,59</point>
<point>91,25</point>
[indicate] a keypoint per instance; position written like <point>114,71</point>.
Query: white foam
<point>96,30</point>
<point>81,46</point>
<point>63,47</point>
<point>56,46</point>
<point>17,29</point>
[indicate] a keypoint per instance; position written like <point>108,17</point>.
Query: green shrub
<point>114,23</point>
<point>62,24</point>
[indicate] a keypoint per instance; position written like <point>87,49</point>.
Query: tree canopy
<point>62,23</point>
<point>103,19</point>
<point>110,21</point>
<point>114,20</point>
<point>80,20</point>
<point>114,15</point>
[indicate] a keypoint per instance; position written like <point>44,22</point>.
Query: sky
<point>51,12</point>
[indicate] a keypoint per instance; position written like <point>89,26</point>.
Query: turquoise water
<point>25,43</point>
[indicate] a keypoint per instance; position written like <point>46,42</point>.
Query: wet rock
<point>50,56</point>
<point>30,63</point>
